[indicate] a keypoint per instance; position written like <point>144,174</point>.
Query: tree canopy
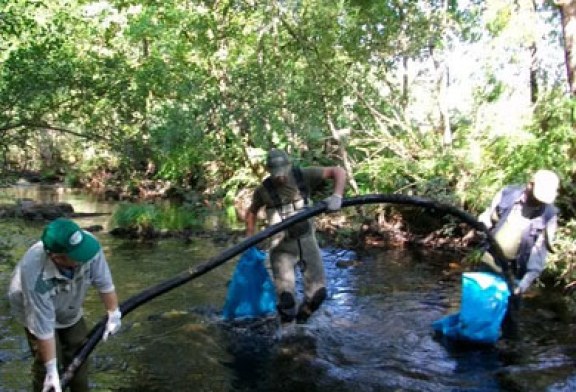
<point>436,98</point>
<point>410,96</point>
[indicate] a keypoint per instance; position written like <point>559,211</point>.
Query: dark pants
<point>68,341</point>
<point>511,319</point>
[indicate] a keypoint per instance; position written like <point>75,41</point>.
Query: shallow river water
<point>373,333</point>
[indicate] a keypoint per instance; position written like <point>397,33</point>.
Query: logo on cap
<point>75,238</point>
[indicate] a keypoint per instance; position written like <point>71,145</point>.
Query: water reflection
<point>372,334</point>
<point>82,202</point>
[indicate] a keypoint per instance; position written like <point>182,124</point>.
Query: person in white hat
<point>282,194</point>
<point>523,221</point>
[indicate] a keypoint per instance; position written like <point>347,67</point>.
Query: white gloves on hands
<point>333,203</point>
<point>52,379</point>
<point>113,324</point>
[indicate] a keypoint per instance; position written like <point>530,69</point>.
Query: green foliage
<point>145,217</point>
<point>5,248</point>
<point>417,166</point>
<point>179,218</point>
<point>73,179</point>
<point>193,87</point>
<point>490,91</point>
<point>201,88</point>
<point>500,20</point>
<point>130,215</point>
<point>9,230</point>
<point>562,262</point>
<point>549,142</point>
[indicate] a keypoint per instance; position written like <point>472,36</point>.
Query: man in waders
<point>283,194</point>
<point>523,220</point>
<point>46,294</point>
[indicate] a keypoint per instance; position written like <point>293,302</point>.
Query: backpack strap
<point>302,188</point>
<point>297,173</point>
<point>272,192</point>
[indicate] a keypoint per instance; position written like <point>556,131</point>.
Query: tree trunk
<point>568,16</point>
<point>442,75</point>
<point>442,82</point>
<point>404,100</point>
<point>533,72</point>
<point>343,154</point>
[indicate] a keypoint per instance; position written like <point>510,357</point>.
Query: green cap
<point>278,163</point>
<point>64,236</point>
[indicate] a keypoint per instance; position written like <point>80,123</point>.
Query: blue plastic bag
<point>482,309</point>
<point>251,292</point>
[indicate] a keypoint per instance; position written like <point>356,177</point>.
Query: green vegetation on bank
<point>144,217</point>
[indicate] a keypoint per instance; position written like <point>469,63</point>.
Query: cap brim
<point>86,250</point>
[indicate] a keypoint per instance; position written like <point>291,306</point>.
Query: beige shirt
<point>43,299</point>
<point>290,198</point>
<point>288,192</point>
<point>509,236</point>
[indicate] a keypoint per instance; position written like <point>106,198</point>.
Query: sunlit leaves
<point>197,84</point>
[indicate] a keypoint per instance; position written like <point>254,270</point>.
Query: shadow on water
<point>373,333</point>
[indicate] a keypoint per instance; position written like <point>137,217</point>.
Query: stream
<point>373,333</point>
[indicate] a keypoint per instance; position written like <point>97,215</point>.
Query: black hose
<point>132,303</point>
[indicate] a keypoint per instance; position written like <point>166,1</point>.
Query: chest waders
<point>303,190</point>
<point>287,302</point>
<point>538,222</point>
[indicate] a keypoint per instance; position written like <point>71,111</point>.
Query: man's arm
<point>538,256</point>
<point>47,349</point>
<point>338,175</point>
<point>334,202</point>
<point>110,300</point>
<point>535,266</point>
<point>251,215</point>
<point>550,233</point>
<point>47,354</point>
<point>250,219</point>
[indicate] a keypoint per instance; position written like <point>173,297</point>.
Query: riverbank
<point>343,230</point>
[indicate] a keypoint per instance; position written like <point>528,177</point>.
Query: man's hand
<point>334,202</point>
<point>52,379</point>
<point>113,324</point>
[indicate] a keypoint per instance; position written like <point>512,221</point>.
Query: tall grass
<point>145,216</point>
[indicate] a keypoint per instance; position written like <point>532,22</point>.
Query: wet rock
<point>546,314</point>
<point>347,263</point>
<point>94,228</point>
<point>112,195</point>
<point>124,232</point>
<point>32,210</point>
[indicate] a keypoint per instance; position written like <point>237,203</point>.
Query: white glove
<point>113,324</point>
<point>333,203</point>
<point>52,379</point>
